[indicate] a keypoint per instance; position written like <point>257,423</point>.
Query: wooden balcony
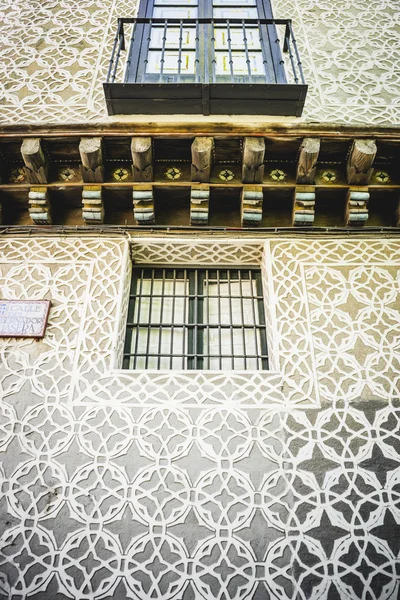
<point>205,66</point>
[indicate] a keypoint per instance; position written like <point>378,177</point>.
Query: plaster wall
<point>54,58</point>
<point>202,485</point>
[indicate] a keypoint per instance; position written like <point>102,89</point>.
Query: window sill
<point>197,98</point>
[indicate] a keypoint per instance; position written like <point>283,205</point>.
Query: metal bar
<point>146,60</point>
<point>121,45</point>
<point>219,320</point>
<point>110,67</point>
<point>195,316</point>
<point>299,63</point>
<point>246,49</point>
<point>149,327</point>
<point>172,318</point>
<point>242,313</point>
<point>164,41</point>
<point>204,20</point>
<point>138,319</point>
<point>181,324</point>
<point>129,59</point>
<point>129,329</point>
<point>185,315</point>
<point>213,57</point>
<point>230,49</point>
<point>231,319</point>
<point>280,78</point>
<point>160,330</point>
<point>201,355</point>
<point>208,316</point>
<point>197,59</point>
<point>256,345</point>
<point>180,50</point>
<point>261,38</point>
<point>263,336</point>
<point>289,49</point>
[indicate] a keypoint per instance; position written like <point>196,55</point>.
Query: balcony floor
<point>197,98</point>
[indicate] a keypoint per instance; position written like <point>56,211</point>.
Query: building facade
<point>179,465</point>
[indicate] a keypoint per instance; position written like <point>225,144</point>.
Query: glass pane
<point>188,64</point>
<point>175,13</point>
<point>172,37</point>
<point>175,3</point>
<point>239,63</point>
<point>235,13</point>
<point>237,38</point>
<point>235,2</point>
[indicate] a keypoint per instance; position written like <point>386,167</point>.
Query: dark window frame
<point>139,49</point>
<point>195,327</point>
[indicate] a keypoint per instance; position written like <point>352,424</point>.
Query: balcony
<point>205,66</point>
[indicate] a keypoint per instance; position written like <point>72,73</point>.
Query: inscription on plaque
<point>24,318</point>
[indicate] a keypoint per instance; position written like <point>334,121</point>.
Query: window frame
<point>196,353</point>
<point>139,48</point>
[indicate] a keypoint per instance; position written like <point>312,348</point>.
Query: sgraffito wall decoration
<point>54,58</point>
<point>279,485</point>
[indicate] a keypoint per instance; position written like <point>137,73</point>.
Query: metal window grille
<point>182,318</point>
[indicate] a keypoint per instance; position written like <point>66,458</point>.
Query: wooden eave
<point>170,175</point>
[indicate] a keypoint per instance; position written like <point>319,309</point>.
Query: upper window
<point>205,56</point>
<point>225,42</point>
<point>182,319</point>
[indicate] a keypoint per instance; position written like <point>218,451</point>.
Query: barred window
<point>183,318</point>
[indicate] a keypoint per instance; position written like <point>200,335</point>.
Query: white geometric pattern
<point>202,485</point>
<point>54,58</point>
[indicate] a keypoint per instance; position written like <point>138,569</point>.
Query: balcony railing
<point>207,66</point>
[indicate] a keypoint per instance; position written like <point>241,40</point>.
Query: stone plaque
<point>24,318</point>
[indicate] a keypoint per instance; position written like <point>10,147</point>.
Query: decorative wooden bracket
<point>356,206</point>
<point>36,167</point>
<point>359,164</point>
<point>39,206</point>
<point>304,205</point>
<point>253,160</point>
<point>93,208</point>
<point>307,163</point>
<point>251,206</point>
<point>199,204</point>
<point>143,204</point>
<point>202,149</point>
<point>91,153</point>
<point>142,158</point>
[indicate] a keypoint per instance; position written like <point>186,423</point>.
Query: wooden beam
<point>92,205</point>
<point>143,204</point>
<point>251,206</point>
<point>91,153</point>
<point>359,164</point>
<point>304,205</point>
<point>202,155</point>
<point>356,206</point>
<point>199,204</point>
<point>142,158</point>
<point>35,161</point>
<point>306,165</point>
<point>253,160</point>
<point>39,206</point>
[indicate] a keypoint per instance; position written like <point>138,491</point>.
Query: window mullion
<point>149,329</point>
<point>191,351</point>
<point>242,315</point>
